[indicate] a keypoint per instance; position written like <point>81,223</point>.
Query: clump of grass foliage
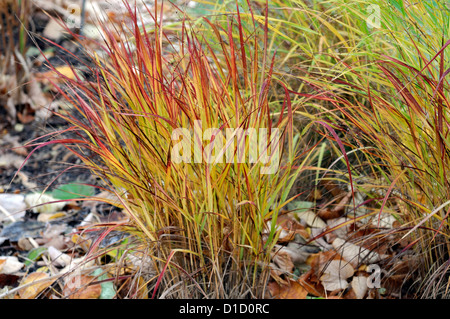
<point>376,71</point>
<point>209,227</point>
<point>407,118</point>
<point>382,88</point>
<point>385,89</point>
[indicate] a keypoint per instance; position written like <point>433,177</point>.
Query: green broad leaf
<point>108,290</point>
<point>34,255</point>
<point>299,206</point>
<point>73,191</point>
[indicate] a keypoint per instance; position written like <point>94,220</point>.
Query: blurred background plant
<point>20,95</point>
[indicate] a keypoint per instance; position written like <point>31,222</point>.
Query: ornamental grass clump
<point>181,131</point>
<point>400,123</point>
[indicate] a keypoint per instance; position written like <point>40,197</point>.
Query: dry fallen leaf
<point>289,228</point>
<point>275,272</point>
<point>58,258</point>
<point>317,261</point>
<point>355,254</point>
<point>335,275</point>
<point>142,262</point>
<point>311,219</point>
<point>340,227</point>
<point>78,265</point>
<point>24,179</point>
<point>67,71</point>
<point>292,290</point>
<point>298,250</point>
<point>312,284</point>
<point>53,230</point>
<point>359,286</point>
<point>332,187</point>
<point>39,203</point>
<point>25,244</point>
<point>59,242</point>
<point>81,287</point>
<point>338,210</point>
<point>10,265</point>
<point>53,31</point>
<point>32,291</point>
<point>282,260</point>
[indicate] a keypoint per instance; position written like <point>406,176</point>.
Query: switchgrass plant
<point>184,136</point>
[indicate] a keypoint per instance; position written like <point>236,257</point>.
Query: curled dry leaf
<point>332,186</point>
<point>319,239</point>
<point>25,180</point>
<point>327,213</point>
<point>77,265</point>
<point>41,281</point>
